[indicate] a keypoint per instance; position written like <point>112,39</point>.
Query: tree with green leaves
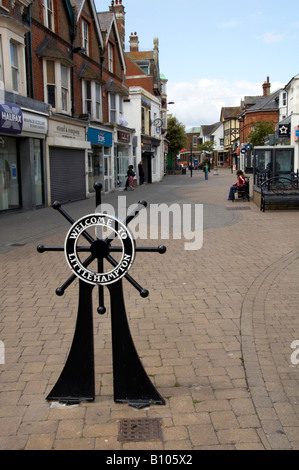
<point>261,130</point>
<point>176,137</point>
<point>207,146</point>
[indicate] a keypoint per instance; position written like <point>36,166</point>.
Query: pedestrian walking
<point>130,178</point>
<point>141,173</point>
<point>206,170</point>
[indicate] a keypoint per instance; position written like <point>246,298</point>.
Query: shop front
<point>123,157</point>
<point>150,158</point>
<point>67,159</point>
<point>22,155</point>
<point>99,158</point>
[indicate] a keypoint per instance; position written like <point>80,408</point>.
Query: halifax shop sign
<point>11,118</point>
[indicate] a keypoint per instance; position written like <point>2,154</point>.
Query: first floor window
<point>98,101</point>
<point>87,101</point>
<point>51,88</point>
<point>92,102</point>
<point>1,65</point>
<point>57,91</point>
<point>14,66</point>
<point>112,108</point>
<point>64,88</point>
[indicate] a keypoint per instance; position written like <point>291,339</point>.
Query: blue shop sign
<point>95,136</point>
<point>11,118</point>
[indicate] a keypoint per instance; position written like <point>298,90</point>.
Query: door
<point>107,172</point>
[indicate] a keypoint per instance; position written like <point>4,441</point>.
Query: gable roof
<point>265,103</point>
<point>210,129</point>
<point>231,112</point>
<point>78,5</point>
<point>106,21</point>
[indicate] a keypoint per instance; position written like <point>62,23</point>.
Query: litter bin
<point>183,171</point>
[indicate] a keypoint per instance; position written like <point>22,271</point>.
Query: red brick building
<point>258,108</point>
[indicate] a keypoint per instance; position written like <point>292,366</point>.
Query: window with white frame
<point>98,101</point>
<point>14,60</point>
<point>64,87</point>
<point>1,60</point>
<point>48,13</point>
<point>110,58</point>
<point>92,103</point>
<point>194,141</point>
<point>145,116</point>
<point>85,36</point>
<point>51,87</point>
<point>87,106</point>
<point>113,111</point>
<point>57,85</point>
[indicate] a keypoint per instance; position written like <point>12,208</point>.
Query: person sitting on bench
<point>238,185</point>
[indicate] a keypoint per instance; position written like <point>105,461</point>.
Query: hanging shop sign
<point>123,137</point>
<point>284,130</point>
<point>11,118</point>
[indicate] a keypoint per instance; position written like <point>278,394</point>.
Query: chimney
<point>134,43</point>
<point>156,51</point>
<point>119,10</point>
<point>266,87</point>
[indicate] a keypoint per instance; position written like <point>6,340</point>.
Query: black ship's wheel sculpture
<point>77,382</point>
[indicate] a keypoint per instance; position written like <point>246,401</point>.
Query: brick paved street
<point>214,335</point>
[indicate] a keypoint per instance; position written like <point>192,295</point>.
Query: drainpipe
<point>30,87</point>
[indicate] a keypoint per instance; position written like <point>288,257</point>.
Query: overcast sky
<point>215,53</point>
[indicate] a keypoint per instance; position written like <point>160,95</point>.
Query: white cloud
<point>232,23</point>
<point>272,37</point>
<point>199,102</point>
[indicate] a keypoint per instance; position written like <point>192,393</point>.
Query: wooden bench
<point>279,192</point>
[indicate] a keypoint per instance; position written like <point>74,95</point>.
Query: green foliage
<point>175,135</point>
<point>206,146</point>
<point>261,130</point>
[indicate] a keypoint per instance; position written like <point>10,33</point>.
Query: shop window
<point>38,173</point>
<point>9,179</point>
